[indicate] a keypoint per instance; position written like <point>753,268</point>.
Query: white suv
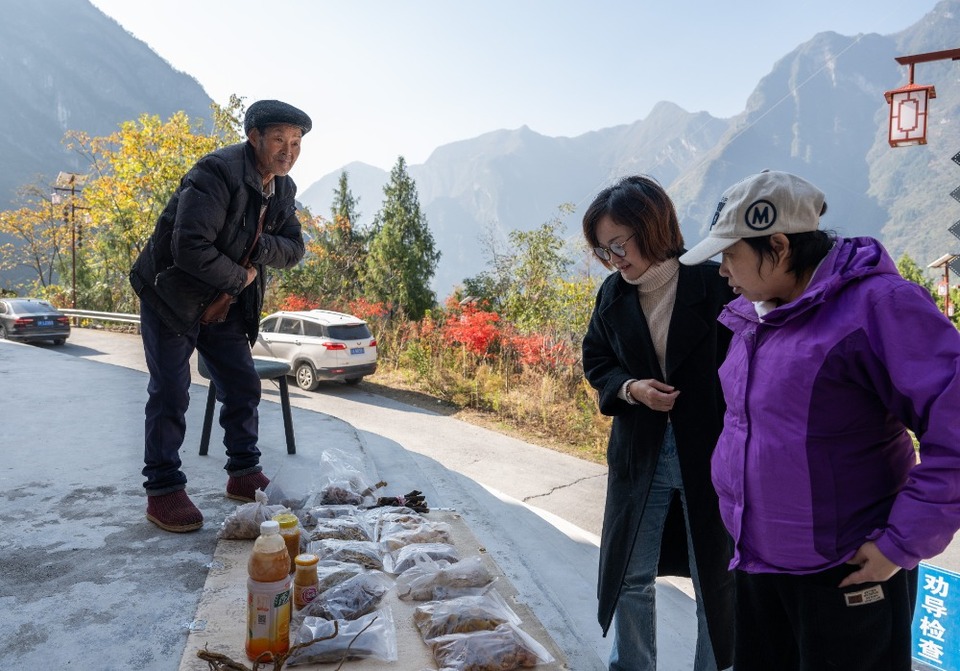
<point>319,345</point>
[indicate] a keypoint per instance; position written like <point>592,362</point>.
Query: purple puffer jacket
<point>815,458</point>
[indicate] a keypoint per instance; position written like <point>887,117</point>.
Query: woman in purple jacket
<point>834,357</point>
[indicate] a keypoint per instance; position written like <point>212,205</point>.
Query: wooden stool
<point>267,369</point>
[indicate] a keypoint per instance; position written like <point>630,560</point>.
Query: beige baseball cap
<point>762,204</point>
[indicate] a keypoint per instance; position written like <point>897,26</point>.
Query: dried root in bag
<point>414,500</point>
<point>244,522</point>
<point>503,649</point>
<point>398,561</point>
<point>371,636</point>
<point>429,579</point>
<point>462,615</point>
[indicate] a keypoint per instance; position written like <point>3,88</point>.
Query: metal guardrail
<point>102,316</point>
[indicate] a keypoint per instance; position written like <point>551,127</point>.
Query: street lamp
<point>908,104</point>
<point>71,181</point>
<point>943,288</point>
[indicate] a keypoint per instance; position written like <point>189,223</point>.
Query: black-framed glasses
<point>615,249</point>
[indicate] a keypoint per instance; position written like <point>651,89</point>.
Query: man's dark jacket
<point>617,347</point>
<point>203,234</point>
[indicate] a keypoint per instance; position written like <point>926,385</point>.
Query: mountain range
<point>820,112</point>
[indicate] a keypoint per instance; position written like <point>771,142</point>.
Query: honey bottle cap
<point>286,520</point>
<point>306,559</point>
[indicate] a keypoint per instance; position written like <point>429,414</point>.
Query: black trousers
<point>227,353</point>
<point>806,623</point>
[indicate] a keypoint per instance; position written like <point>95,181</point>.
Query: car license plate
<point>356,350</point>
<point>44,322</point>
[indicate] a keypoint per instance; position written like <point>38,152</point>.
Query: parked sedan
<point>319,345</point>
<point>32,319</point>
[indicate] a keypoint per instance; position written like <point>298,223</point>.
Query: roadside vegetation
<point>503,349</point>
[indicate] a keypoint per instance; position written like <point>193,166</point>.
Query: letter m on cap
<point>761,215</point>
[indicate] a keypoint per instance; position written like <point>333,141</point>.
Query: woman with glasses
<point>651,351</point>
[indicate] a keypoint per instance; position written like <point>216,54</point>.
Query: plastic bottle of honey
<point>268,595</point>
<point>290,531</point>
<point>305,580</point>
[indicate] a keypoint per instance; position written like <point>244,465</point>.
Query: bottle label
<point>304,594</point>
<point>268,620</point>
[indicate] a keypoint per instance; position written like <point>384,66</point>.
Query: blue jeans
<point>226,350</point>
<point>635,620</point>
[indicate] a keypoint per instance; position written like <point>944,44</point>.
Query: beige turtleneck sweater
<point>657,292</point>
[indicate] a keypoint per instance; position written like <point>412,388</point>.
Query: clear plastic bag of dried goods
<point>383,522</point>
<point>341,528</point>
<point>347,600</point>
<point>371,636</point>
<point>366,553</point>
<point>244,522</point>
<point>429,531</point>
<point>343,481</point>
<point>398,561</point>
<point>462,615</point>
<point>431,579</point>
<point>503,649</point>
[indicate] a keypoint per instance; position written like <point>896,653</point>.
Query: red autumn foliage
<point>367,310</point>
<point>473,328</point>
<point>295,303</point>
<point>537,350</point>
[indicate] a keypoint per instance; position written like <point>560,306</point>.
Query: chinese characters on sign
<point>936,620</point>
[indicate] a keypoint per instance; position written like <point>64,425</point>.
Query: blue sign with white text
<point>936,620</point>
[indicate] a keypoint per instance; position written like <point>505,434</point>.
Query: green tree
<point>911,271</point>
<point>329,275</point>
<point>402,257</point>
<point>134,172</point>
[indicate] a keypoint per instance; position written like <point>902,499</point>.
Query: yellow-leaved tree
<point>39,234</point>
<point>133,174</point>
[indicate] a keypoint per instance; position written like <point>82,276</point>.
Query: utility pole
<point>70,181</point>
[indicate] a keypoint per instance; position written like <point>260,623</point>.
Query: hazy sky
<point>383,78</point>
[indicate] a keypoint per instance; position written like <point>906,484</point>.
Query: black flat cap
<point>265,113</point>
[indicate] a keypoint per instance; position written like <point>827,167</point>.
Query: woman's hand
<point>874,566</point>
<point>654,394</point>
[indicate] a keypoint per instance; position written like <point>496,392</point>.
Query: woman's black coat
<point>618,347</point>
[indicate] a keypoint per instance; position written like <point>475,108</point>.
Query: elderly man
<point>200,281</point>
